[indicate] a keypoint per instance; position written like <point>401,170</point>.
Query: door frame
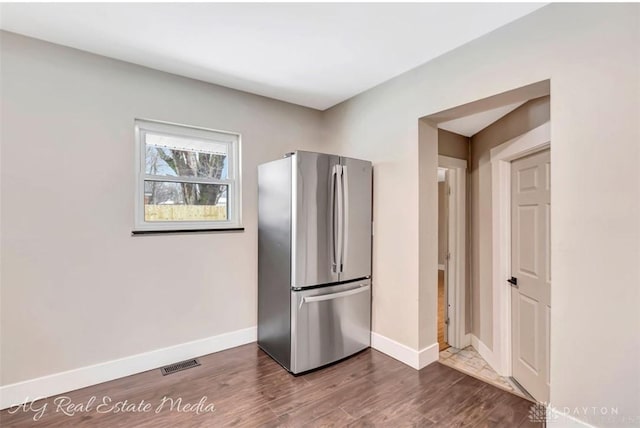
<point>533,141</point>
<point>455,266</point>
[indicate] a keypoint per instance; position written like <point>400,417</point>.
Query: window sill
<point>185,231</point>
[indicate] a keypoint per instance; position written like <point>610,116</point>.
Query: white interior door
<point>531,274</point>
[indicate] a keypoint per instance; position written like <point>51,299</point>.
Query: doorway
<point>452,252</point>
<point>443,253</point>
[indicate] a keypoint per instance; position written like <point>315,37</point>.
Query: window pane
<point>185,157</point>
<point>167,201</point>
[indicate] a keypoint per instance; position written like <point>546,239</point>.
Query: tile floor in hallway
<point>469,361</point>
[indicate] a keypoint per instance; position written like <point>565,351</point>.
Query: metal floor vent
<point>182,365</point>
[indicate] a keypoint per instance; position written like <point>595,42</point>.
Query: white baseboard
<point>440,267</point>
<point>428,355</point>
<point>403,353</point>
<point>487,354</point>
<point>59,383</point>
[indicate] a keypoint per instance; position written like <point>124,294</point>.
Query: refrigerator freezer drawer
<point>329,323</point>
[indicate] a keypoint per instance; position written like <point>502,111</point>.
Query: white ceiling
<point>312,54</point>
<point>472,124</point>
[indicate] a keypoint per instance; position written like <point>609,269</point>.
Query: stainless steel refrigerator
<point>314,259</point>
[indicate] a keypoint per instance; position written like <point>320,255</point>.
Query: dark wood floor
<point>249,389</point>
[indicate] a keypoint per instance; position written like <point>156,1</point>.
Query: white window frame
<point>234,181</point>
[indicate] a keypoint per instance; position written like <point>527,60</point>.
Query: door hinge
<point>449,189</point>
<point>446,321</point>
<point>448,256</point>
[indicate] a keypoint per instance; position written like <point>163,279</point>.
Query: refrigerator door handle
<point>332,296</point>
<point>335,218</point>
<point>340,216</point>
<point>345,217</point>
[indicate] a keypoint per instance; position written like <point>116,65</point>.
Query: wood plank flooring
<point>249,389</point>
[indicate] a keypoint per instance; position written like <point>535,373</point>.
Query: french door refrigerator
<point>314,259</point>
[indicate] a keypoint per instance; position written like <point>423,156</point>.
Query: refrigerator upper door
<point>315,211</point>
<point>356,219</point>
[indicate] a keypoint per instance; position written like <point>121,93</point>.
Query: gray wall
<point>77,289</point>
<point>453,145</point>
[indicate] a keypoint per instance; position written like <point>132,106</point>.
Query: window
<point>187,178</point>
